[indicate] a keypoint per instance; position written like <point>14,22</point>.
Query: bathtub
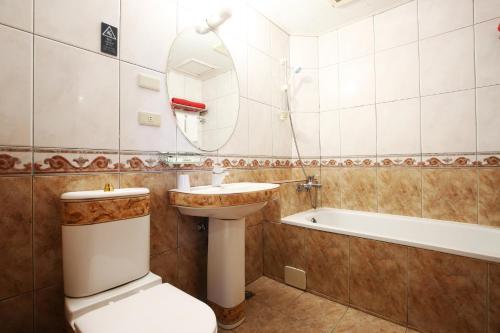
<point>470,240</point>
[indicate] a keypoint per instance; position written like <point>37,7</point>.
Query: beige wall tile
<point>378,278</point>
<point>192,275</point>
<point>16,314</point>
<point>450,194</point>
<point>494,298</point>
<point>292,201</point>
<point>359,189</point>
<point>254,258</point>
<point>327,258</point>
<point>399,191</point>
<point>16,225</point>
<point>489,196</point>
<point>446,293</point>
<point>330,190</point>
<point>49,310</point>
<point>165,265</point>
<point>283,245</point>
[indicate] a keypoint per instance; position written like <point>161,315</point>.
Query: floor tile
<point>356,321</point>
<point>317,313</point>
<point>273,294</point>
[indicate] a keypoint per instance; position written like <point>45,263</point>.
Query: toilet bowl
<point>107,282</point>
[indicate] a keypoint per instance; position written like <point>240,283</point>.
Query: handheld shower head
<point>294,71</point>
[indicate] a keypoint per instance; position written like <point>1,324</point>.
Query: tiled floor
<point>278,308</point>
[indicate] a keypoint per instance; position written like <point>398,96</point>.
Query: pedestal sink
<point>226,207</point>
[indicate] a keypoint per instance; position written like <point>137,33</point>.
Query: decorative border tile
<point>449,160</point>
<point>260,162</point>
<point>488,159</point>
<point>359,161</point>
<point>311,162</point>
<point>282,163</point>
<point>15,160</point>
<point>331,162</point>
<point>406,160</point>
<point>52,160</point>
<point>234,162</point>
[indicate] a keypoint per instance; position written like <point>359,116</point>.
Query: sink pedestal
<point>226,270</point>
<point>226,207</point>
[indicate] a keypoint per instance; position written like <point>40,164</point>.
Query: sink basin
<point>229,201</point>
<point>226,207</point>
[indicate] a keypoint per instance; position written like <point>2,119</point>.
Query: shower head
<point>297,70</point>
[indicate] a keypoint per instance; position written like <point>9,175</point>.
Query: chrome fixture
<point>310,180</point>
<point>308,185</point>
<point>218,175</point>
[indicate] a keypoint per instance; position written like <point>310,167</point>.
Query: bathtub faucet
<point>308,185</point>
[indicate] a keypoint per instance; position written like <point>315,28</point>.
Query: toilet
<point>107,283</point>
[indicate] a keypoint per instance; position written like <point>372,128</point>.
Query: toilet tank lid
<point>101,194</point>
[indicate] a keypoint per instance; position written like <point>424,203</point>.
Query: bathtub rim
<point>490,257</point>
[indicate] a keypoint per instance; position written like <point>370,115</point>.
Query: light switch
<point>150,119</point>
<point>149,82</point>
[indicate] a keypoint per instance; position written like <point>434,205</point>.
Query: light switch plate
<point>149,82</point>
<point>149,119</point>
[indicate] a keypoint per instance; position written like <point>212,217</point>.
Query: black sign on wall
<point>109,39</point>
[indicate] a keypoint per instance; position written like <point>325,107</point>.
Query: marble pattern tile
<point>284,245</point>
<point>192,271</point>
<point>189,233</point>
<point>316,313</point>
<point>16,314</point>
<point>494,298</point>
<point>16,225</point>
<point>327,258</point>
<point>164,219</point>
<point>165,265</point>
<point>399,191</point>
<point>446,293</point>
<point>254,259</point>
<point>450,194</point>
<point>330,190</point>
<point>378,278</point>
<point>356,321</point>
<point>49,310</point>
<point>359,189</point>
<point>47,220</point>
<point>292,201</point>
<point>489,196</point>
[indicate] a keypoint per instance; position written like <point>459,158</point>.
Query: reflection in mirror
<point>203,89</point>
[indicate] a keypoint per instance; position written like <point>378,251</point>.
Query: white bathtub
<point>464,239</point>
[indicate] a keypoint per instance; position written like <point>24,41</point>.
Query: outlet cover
<point>150,119</point>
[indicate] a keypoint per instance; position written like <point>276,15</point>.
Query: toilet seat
<point>159,309</point>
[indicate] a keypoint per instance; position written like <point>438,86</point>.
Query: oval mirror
<point>203,89</point>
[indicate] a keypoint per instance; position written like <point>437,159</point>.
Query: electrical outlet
<point>149,119</point>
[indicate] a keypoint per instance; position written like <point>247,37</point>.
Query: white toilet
<point>107,282</point>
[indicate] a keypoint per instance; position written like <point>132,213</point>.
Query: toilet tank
<point>105,239</point>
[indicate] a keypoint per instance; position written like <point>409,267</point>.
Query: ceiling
<point>315,17</point>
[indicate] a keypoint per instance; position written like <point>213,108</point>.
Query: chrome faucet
<point>218,175</point>
<point>310,183</point>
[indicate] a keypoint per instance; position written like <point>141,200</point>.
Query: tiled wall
<point>69,122</point>
<point>406,103</point>
<point>426,290</point>
<point>60,92</point>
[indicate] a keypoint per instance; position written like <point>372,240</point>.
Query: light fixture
<point>212,23</point>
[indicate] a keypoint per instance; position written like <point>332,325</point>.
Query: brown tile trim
<point>101,211</point>
<point>228,316</point>
<point>227,200</point>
